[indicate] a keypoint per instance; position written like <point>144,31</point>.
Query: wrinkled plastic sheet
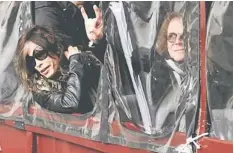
<point>138,24</point>
<point>219,49</point>
<point>125,112</point>
<point>11,92</point>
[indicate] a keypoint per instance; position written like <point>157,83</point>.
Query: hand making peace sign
<point>93,26</point>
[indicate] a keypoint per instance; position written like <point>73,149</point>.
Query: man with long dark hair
<point>61,80</point>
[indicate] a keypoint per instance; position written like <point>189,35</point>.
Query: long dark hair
<point>44,37</point>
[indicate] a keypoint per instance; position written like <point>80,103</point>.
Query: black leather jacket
<point>78,92</point>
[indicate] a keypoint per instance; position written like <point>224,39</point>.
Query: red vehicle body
<point>15,137</point>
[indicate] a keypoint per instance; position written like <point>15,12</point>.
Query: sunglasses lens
<point>171,37</point>
<point>31,63</point>
<point>40,54</point>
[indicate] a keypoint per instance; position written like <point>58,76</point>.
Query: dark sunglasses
<point>30,60</point>
<point>40,54</point>
<point>172,37</point>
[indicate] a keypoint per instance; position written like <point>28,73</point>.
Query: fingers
<point>85,16</point>
<point>93,26</point>
<point>77,50</point>
<point>71,51</point>
<point>96,34</point>
<point>97,12</point>
<point>66,54</point>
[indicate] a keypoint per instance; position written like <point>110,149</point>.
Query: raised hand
<point>93,26</point>
<point>71,51</point>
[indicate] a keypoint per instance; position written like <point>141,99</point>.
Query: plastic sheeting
<point>219,48</point>
<point>15,18</point>
<point>143,81</point>
<point>145,98</point>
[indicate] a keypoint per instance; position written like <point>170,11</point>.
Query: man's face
<point>175,43</point>
<point>46,66</point>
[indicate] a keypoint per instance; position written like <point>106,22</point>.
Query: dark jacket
<point>65,18</point>
<point>79,87</point>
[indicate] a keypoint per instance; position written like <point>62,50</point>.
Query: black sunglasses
<point>40,54</point>
<point>172,37</point>
<point>37,54</point>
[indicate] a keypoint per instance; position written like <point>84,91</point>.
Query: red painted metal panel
<point>208,145</point>
<point>211,145</point>
<point>47,144</point>
<point>203,100</point>
<point>48,139</point>
<point>81,142</point>
<point>179,138</point>
<point>13,140</point>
